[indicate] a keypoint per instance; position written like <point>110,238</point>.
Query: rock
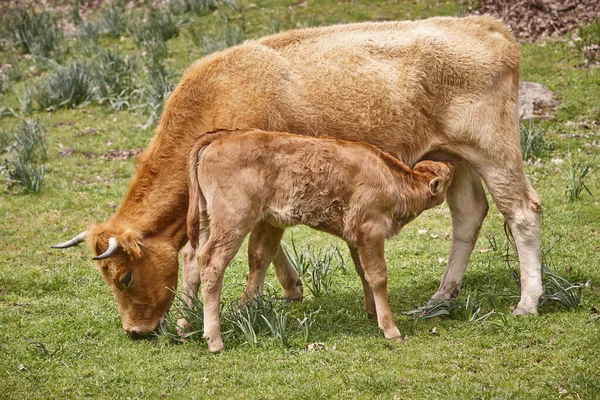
<point>535,100</point>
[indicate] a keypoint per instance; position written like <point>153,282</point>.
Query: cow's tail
<point>197,216</point>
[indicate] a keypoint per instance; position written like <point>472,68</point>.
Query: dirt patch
<point>115,154</point>
<point>535,100</point>
<point>531,20</point>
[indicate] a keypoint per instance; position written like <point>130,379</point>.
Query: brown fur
<point>353,190</point>
<point>444,88</point>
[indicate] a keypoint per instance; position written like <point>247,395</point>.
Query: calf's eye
<point>126,280</point>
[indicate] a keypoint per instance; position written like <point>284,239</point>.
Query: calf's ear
<point>436,186</point>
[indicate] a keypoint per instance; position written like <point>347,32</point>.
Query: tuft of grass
<point>114,76</point>
<point>25,151</point>
<point>198,7</point>
<point>114,21</point>
<point>4,83</point>
<point>231,31</point>
<point>590,40</point>
<point>157,25</point>
<point>39,33</point>
<point>533,140</point>
<point>68,86</point>
<point>316,267</point>
<point>577,174</point>
<point>475,310</point>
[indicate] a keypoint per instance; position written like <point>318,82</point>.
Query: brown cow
<point>270,180</point>
<point>439,88</point>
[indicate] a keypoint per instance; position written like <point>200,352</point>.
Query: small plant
<point>305,325</point>
<point>25,152</point>
<point>113,75</point>
<point>4,83</point>
<point>198,7</point>
<point>156,26</point>
<point>590,40</point>
<point>576,178</point>
<point>533,141</point>
<point>228,35</point>
<point>114,21</point>
<point>316,267</point>
<point>39,34</point>
<point>68,86</point>
<point>323,266</point>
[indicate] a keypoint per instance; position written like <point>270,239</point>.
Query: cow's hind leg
<point>262,249</point>
<point>468,207</point>
<point>288,277</point>
<point>519,203</point>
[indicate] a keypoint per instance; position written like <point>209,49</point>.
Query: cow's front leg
<point>372,259</point>
<point>368,293</point>
<point>190,284</point>
<point>262,249</point>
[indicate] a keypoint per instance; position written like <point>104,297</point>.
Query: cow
<point>266,181</point>
<point>439,89</point>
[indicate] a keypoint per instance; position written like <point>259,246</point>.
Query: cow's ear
<point>130,241</point>
<point>436,186</point>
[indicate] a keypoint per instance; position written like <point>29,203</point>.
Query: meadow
<point>80,100</point>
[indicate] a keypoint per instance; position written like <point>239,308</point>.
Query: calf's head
<point>439,175</point>
<point>142,273</point>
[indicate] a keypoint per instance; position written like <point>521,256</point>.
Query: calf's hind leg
<point>262,249</point>
<point>368,293</point>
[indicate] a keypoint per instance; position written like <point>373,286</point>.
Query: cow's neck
<point>157,198</point>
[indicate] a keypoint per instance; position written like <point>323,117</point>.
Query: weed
<point>114,20</point>
<point>113,75</point>
<point>305,325</point>
<point>198,7</point>
<point>316,267</point>
<point>25,152</point>
<point>4,83</point>
<point>156,26</point>
<point>323,266</point>
<point>25,99</point>
<point>229,33</point>
<point>576,178</point>
<point>590,40</point>
<point>68,86</point>
<point>39,34</point>
<point>533,141</point>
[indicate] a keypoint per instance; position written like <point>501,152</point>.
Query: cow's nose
<point>135,333</point>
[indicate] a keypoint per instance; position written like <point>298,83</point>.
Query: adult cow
<point>441,88</point>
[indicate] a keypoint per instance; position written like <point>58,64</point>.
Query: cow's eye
<point>126,280</point>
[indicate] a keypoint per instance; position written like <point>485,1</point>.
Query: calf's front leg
<point>372,259</point>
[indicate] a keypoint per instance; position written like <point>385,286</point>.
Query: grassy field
<point>60,334</point>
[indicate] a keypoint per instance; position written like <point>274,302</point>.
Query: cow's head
<point>141,271</point>
<point>439,175</point>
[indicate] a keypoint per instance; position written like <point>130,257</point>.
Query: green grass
<point>60,334</point>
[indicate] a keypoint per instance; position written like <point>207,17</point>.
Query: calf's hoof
<point>524,311</point>
<point>398,339</point>
<point>183,328</point>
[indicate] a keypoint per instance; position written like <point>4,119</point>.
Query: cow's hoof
<point>522,311</point>
<point>295,293</point>
<point>398,339</point>
<point>215,345</point>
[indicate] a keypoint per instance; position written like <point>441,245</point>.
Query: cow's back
<point>392,84</point>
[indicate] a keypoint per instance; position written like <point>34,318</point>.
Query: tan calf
<point>266,181</point>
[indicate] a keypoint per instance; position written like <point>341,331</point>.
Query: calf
<point>263,182</point>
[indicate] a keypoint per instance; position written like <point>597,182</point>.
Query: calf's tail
<point>197,211</point>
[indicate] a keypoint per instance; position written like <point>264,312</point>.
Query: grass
<point>60,334</point>
<point>533,140</point>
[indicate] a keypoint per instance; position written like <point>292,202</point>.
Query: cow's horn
<point>73,242</point>
<point>112,247</point>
